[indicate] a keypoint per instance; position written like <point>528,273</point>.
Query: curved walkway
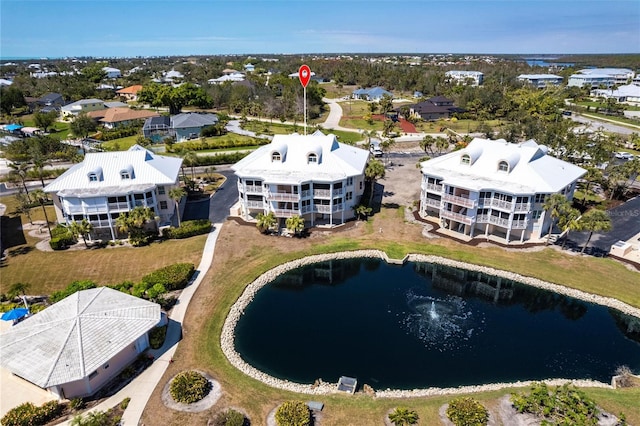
<point>141,388</point>
<point>335,114</point>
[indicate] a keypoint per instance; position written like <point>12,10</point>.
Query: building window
<point>275,156</point>
<point>312,158</point>
<point>92,375</point>
<point>540,198</point>
<point>465,159</point>
<point>125,175</point>
<point>350,181</point>
<point>348,196</point>
<point>503,166</point>
<point>106,366</point>
<point>161,190</point>
<point>93,177</point>
<point>360,184</point>
<point>163,205</point>
<point>536,214</point>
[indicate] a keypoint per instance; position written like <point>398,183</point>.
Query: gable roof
<point>531,169</point>
<point>335,160</point>
<point>192,119</point>
<point>149,170</point>
<point>72,338</point>
<point>50,98</point>
<point>115,115</point>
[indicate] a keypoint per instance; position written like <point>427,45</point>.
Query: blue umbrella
<point>14,314</point>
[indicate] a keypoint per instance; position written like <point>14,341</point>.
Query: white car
<point>623,155</point>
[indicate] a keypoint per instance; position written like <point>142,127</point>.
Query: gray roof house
<point>183,126</point>
<point>371,94</point>
<point>77,345</point>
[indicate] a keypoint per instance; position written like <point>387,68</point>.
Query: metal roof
<point>72,338</point>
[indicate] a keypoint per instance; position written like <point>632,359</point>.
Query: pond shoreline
<point>227,338</point>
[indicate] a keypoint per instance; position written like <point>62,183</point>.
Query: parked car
<point>622,155</point>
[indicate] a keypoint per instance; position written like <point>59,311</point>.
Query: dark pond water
<point>422,325</point>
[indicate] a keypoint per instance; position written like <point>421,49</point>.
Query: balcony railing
<point>324,193</point>
<point>338,192</point>
<point>122,205</point>
<point>523,207</point>
<point>282,196</point>
<point>306,209</point>
<point>286,212</point>
<point>432,202</point>
<point>456,216</point>
<point>306,193</point>
<point>519,224</point>
<point>461,201</point>
<point>433,187</point>
<point>501,204</point>
<point>250,189</point>
<point>487,218</point>
<point>254,204</point>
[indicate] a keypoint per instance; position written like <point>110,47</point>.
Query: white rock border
<point>227,337</point>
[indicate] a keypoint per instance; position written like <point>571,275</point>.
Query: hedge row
<point>218,159</point>
<point>188,229</point>
<point>28,414</point>
<point>217,144</point>
<point>172,277</point>
<point>61,238</point>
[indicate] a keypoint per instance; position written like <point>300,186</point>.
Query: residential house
<point>117,117</point>
<point>130,93</point>
<point>182,127</point>
<point>108,184</point>
<point>112,72</point>
<point>50,102</point>
<point>495,189</point>
<point>84,105</point>
<point>249,68</point>
<point>371,94</point>
<point>5,82</point>
<point>234,77</point>
<point>435,108</point>
<point>597,77</point>
<point>77,345</point>
<point>312,176</point>
<point>541,81</point>
<point>471,78</point>
<point>629,93</point>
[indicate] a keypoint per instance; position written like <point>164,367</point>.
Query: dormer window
<point>312,158</point>
<point>125,175</point>
<point>503,166</point>
<point>465,159</point>
<point>275,156</point>
<point>93,177</point>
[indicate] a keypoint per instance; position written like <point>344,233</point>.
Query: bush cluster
<point>61,238</point>
<point>119,132</point>
<point>188,229</point>
<point>157,336</point>
<point>57,296</point>
<point>467,411</point>
<point>563,405</point>
<point>230,417</point>
<point>28,414</point>
<point>226,143</point>
<point>293,413</point>
<point>217,159</point>
<point>189,387</point>
<point>172,277</point>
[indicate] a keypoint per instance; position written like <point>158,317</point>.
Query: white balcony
<point>282,196</point>
<point>322,193</point>
<point>250,189</point>
<point>431,202</point>
<point>286,212</point>
<point>253,204</point>
<point>119,206</point>
<point>456,216</point>
<point>519,224</point>
<point>501,204</point>
<point>432,187</point>
<point>461,201</point>
<point>523,207</point>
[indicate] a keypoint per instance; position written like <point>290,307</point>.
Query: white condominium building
<point>495,188</point>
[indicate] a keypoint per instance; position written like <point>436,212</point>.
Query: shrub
<point>125,403</point>
<point>189,387</point>
<point>76,404</point>
<point>57,296</point>
<point>157,336</point>
<point>229,417</point>
<point>61,238</point>
<point>188,229</point>
<point>467,411</point>
<point>172,277</point>
<point>564,405</point>
<point>403,416</point>
<point>28,414</point>
<point>293,413</point>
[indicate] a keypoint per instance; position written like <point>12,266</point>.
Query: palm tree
<point>82,229</point>
<point>595,221</point>
<point>554,206</point>
<point>427,143</point>
<point>373,171</point>
<point>386,146</point>
<point>41,197</point>
<point>362,211</point>
<point>133,222</point>
<point>20,171</point>
<point>176,195</point>
<point>569,221</point>
<point>265,221</point>
<point>295,224</point>
<point>402,416</point>
<point>442,144</point>
<point>190,159</point>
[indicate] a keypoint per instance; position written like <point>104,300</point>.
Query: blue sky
<point>164,27</point>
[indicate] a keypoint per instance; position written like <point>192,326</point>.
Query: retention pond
<point>425,325</point>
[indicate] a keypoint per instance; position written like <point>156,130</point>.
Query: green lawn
<point>121,144</point>
<point>59,130</point>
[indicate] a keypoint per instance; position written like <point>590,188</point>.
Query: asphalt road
<point>596,124</point>
<point>626,223</point>
<point>216,208</point>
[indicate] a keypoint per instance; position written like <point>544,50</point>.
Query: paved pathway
<point>141,388</point>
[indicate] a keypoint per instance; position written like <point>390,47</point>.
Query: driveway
<point>626,223</point>
<point>595,124</point>
<point>215,208</point>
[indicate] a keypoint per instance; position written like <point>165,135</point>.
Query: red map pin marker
<point>304,74</point>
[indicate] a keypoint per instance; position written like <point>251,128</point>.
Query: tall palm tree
<point>595,221</point>
<point>295,224</point>
<point>402,416</point>
<point>427,144</point>
<point>20,170</point>
<point>569,221</point>
<point>554,206</point>
<point>373,171</point>
<point>190,159</point>
<point>42,197</point>
<point>82,229</point>
<point>176,195</point>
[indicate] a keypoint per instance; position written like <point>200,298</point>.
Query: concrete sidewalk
<point>141,388</point>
